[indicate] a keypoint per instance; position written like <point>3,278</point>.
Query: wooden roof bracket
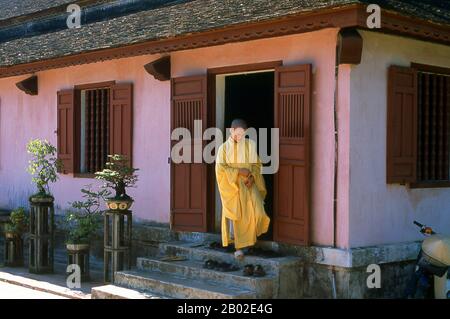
<point>160,68</point>
<point>29,85</point>
<point>349,46</point>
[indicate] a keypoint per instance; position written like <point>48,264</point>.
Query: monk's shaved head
<point>237,130</point>
<point>239,123</point>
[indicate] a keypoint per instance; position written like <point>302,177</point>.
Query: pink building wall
<point>317,48</point>
<point>343,170</point>
<point>382,213</point>
<point>24,117</point>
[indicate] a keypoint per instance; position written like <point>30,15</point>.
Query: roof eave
<point>342,17</point>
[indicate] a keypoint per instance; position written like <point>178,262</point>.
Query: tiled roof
<point>184,18</point>
<point>16,8</point>
<point>431,10</point>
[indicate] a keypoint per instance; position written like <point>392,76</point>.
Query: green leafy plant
<point>91,202</point>
<point>18,222</point>
<point>84,219</point>
<point>43,165</point>
<point>81,228</point>
<point>118,175</point>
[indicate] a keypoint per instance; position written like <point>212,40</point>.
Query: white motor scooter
<point>430,278</point>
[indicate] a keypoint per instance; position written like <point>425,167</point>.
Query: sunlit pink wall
<point>23,117</point>
<point>382,213</point>
<point>317,48</point>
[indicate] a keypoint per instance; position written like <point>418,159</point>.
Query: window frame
<point>77,109</point>
<point>435,70</point>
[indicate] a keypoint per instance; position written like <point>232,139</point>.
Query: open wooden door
<point>292,182</point>
<point>188,180</point>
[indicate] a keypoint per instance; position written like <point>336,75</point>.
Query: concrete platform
<point>10,291</point>
<point>50,283</point>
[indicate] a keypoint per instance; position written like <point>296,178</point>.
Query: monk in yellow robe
<point>242,190</point>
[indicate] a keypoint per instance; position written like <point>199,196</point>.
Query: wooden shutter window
<point>96,129</point>
<point>292,182</point>
<point>66,130</point>
<point>121,120</point>
<point>433,127</point>
<point>401,125</point>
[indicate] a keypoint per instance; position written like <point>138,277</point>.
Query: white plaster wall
<point>381,213</point>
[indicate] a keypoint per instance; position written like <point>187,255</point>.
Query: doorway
<point>248,96</point>
<point>193,186</point>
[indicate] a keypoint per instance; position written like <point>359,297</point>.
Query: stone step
<point>116,292</point>
<point>262,286</point>
<point>201,252</point>
<point>179,287</point>
<point>186,236</point>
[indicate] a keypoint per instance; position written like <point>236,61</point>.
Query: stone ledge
<point>353,257</point>
<point>327,256</point>
<point>116,292</point>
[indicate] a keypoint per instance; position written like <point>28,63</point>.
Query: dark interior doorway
<point>251,97</point>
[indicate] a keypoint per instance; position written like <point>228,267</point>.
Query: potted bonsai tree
<point>17,226</point>
<point>84,218</point>
<point>81,223</point>
<point>43,167</point>
<point>118,175</point>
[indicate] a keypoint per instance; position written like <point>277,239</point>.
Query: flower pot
<point>10,235</point>
<point>78,254</point>
<point>41,199</point>
<point>119,204</point>
<point>77,247</point>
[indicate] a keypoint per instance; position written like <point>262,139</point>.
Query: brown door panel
<point>292,181</point>
<point>188,180</point>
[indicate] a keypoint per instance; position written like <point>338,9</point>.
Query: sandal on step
<point>259,271</point>
<point>210,264</point>
<point>226,267</point>
<point>248,270</point>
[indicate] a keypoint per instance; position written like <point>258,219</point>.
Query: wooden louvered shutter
<point>188,180</point>
<point>292,182</point>
<point>66,130</point>
<point>401,125</point>
<point>121,120</point>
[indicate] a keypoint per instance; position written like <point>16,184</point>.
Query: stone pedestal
<point>42,225</point>
<point>13,250</point>
<point>79,255</point>
<point>117,242</point>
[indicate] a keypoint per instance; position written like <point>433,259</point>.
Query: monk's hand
<point>249,182</point>
<point>244,172</point>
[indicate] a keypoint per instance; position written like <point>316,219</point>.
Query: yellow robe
<point>242,205</point>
